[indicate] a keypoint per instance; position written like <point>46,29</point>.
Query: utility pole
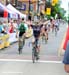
<point>29,16</point>
<point>29,8</point>
<point>38,6</point>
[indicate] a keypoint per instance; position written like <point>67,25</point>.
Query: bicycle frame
<point>21,43</point>
<point>34,51</point>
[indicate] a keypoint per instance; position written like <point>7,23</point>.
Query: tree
<point>56,10</point>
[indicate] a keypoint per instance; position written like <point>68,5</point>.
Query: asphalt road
<point>28,68</point>
<point>48,51</point>
<point>11,63</point>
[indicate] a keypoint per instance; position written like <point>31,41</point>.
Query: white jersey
<point>56,23</point>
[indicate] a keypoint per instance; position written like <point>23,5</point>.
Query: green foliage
<point>56,10</point>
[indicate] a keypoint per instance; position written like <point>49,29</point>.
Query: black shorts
<point>21,33</point>
<point>45,29</point>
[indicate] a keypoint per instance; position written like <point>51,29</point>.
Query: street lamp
<point>45,5</point>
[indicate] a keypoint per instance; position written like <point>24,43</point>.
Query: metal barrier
<point>4,41</point>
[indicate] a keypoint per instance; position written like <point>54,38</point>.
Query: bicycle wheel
<point>20,46</point>
<point>33,55</point>
<point>37,56</point>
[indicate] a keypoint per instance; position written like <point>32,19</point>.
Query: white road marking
<point>19,60</point>
<point>12,72</point>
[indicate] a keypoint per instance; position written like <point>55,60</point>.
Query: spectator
<point>11,28</point>
<point>66,48</point>
<point>1,27</point>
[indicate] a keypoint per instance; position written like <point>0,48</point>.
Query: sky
<point>65,5</point>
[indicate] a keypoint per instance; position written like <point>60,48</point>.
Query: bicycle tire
<point>33,55</point>
<point>20,51</point>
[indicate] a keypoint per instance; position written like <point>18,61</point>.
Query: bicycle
<point>35,51</point>
<point>21,43</point>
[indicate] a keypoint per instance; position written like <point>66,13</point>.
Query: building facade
<point>35,6</point>
<point>27,6</point>
<point>3,1</point>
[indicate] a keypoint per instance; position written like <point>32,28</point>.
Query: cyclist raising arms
<point>36,33</point>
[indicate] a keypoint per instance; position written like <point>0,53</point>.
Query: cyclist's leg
<point>43,37</point>
<point>46,36</point>
<point>53,28</point>
<point>38,45</point>
<point>48,28</point>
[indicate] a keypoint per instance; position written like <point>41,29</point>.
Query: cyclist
<point>48,25</point>
<point>52,24</point>
<point>36,33</point>
<point>22,30</point>
<point>56,26</point>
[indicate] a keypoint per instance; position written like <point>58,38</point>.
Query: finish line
<point>40,61</point>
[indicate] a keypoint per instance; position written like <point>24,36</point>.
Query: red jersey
<point>11,29</point>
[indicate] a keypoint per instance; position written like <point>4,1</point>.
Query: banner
<point>5,14</point>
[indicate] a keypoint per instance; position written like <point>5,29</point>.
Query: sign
<point>56,1</point>
<point>48,11</point>
<point>31,7</point>
<point>23,7</point>
<point>53,4</point>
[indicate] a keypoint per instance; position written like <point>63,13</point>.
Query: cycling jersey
<point>36,30</point>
